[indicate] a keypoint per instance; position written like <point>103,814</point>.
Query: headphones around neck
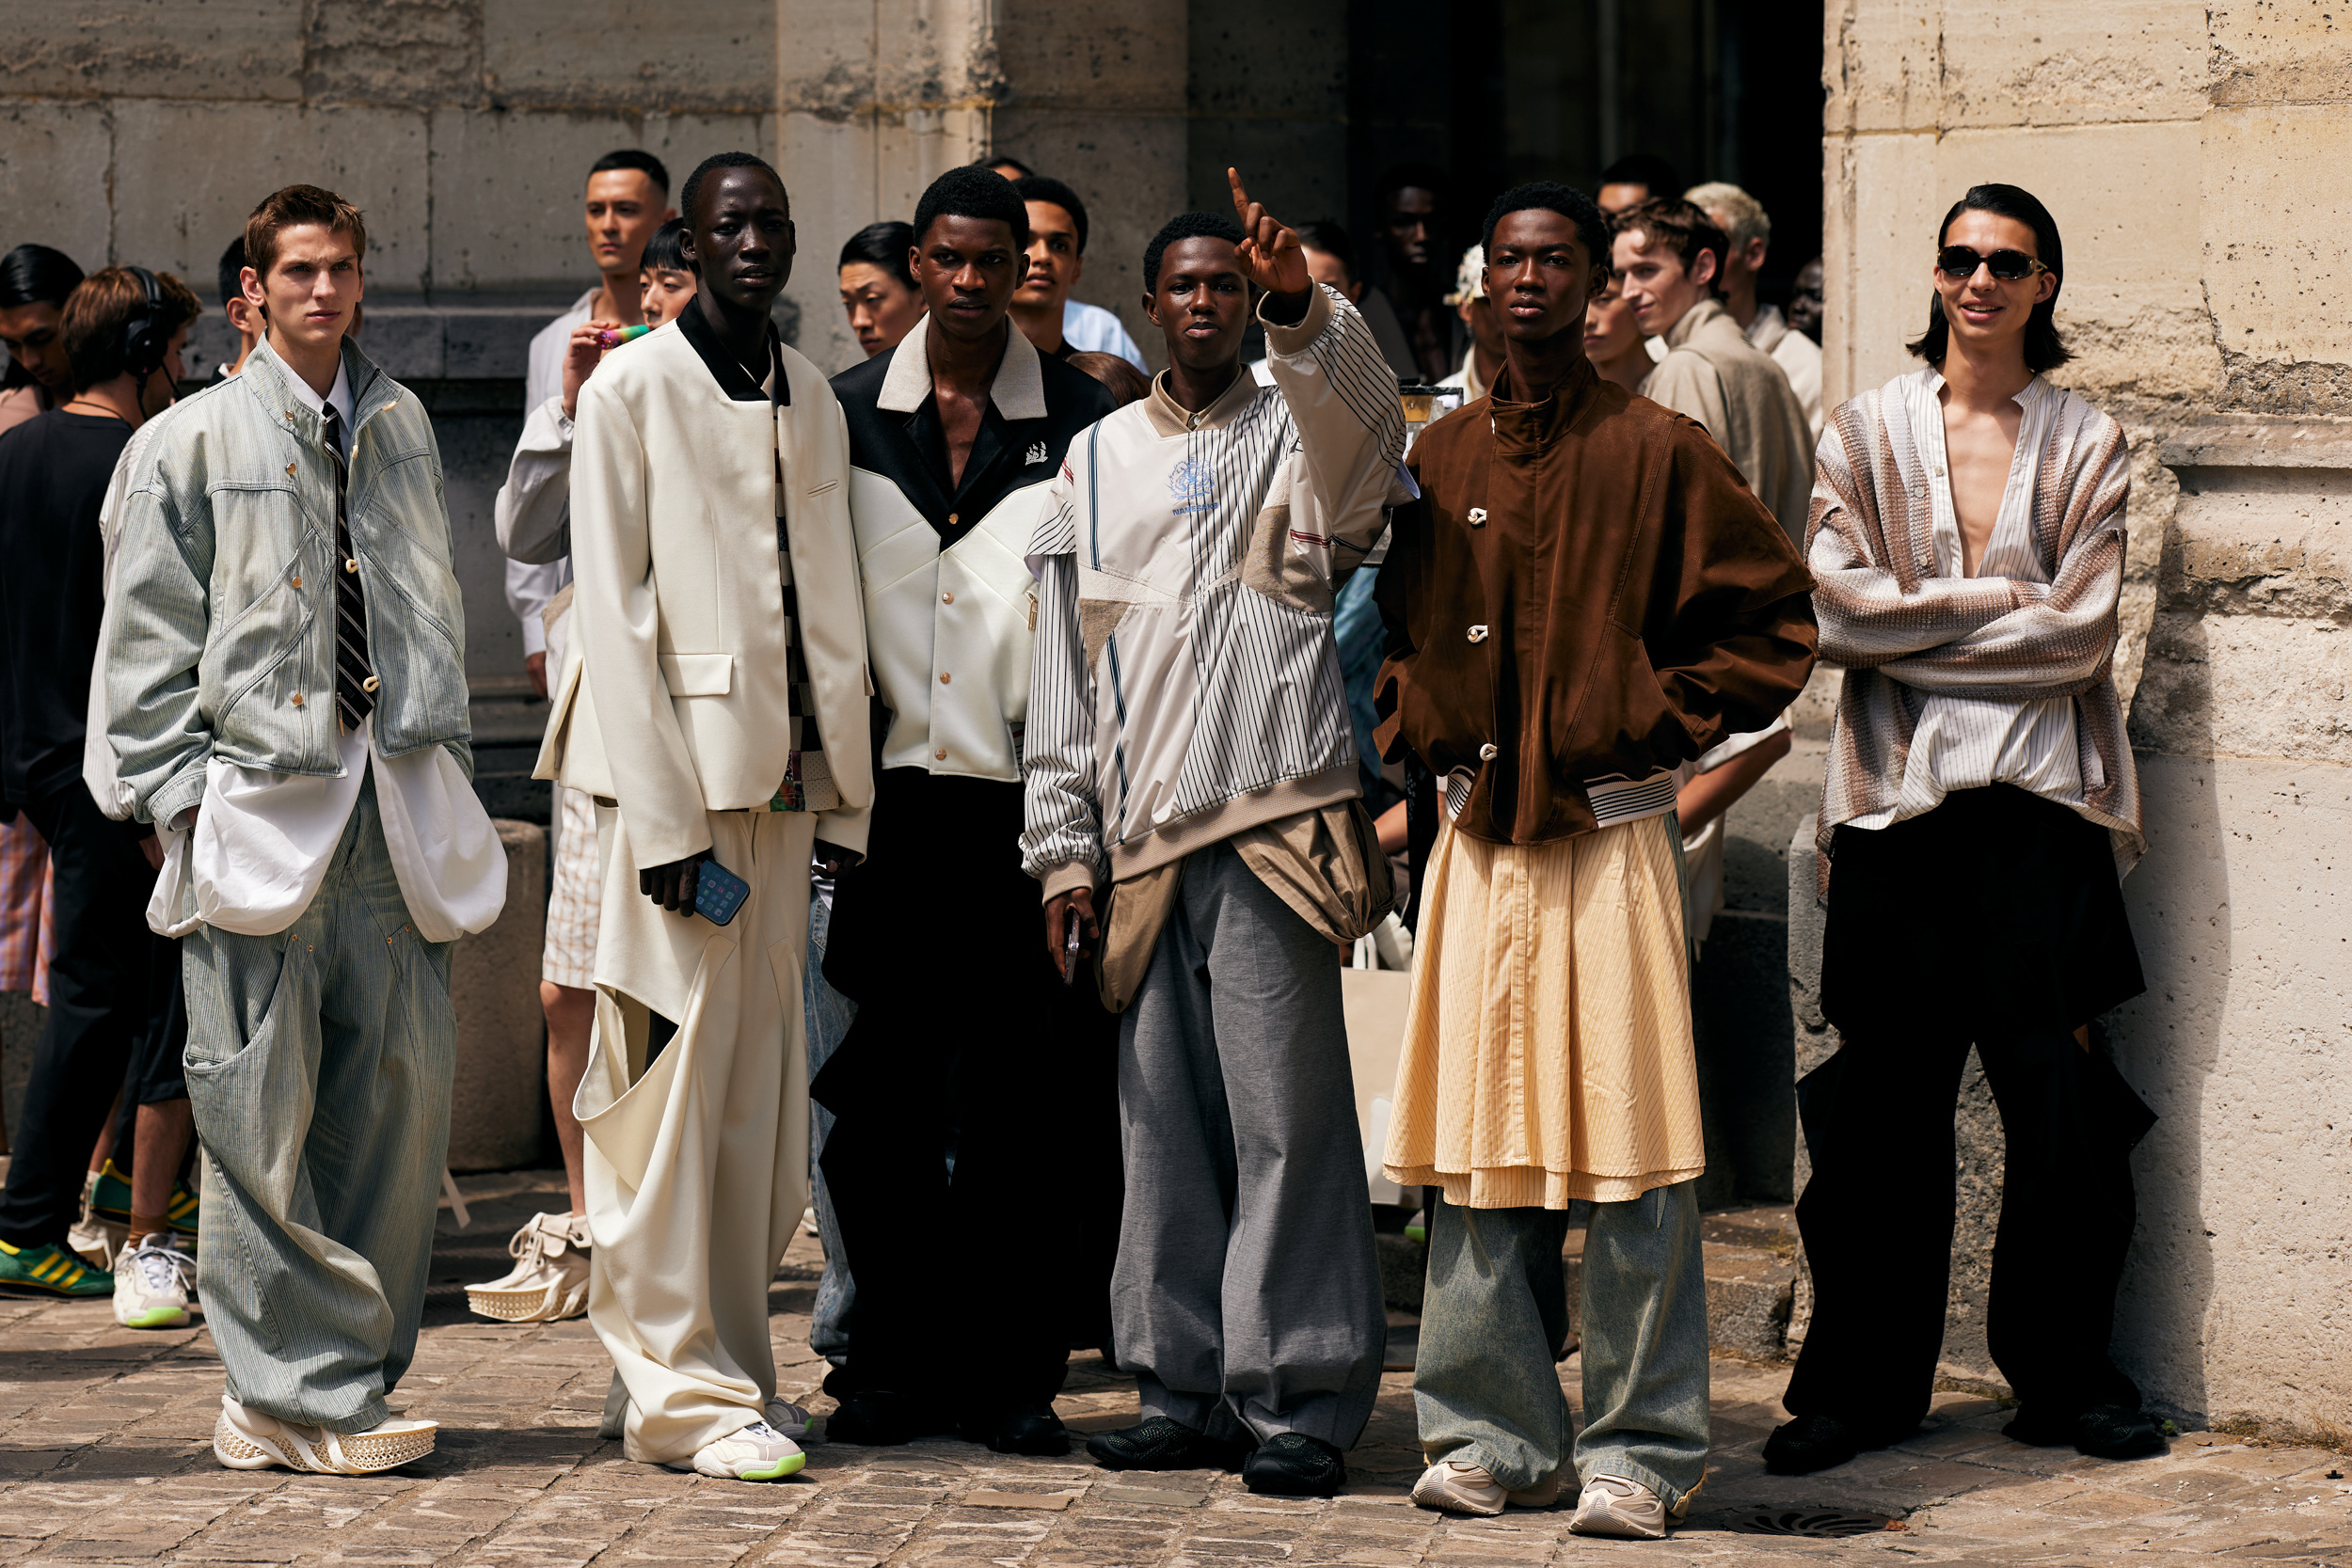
<point>144,340</point>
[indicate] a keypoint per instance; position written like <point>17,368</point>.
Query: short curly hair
<point>1185,226</point>
<point>1592,229</point>
<point>972,193</point>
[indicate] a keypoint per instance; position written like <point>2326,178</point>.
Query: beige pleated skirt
<point>1547,1053</point>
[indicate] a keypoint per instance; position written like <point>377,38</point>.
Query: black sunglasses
<point>2010,266</point>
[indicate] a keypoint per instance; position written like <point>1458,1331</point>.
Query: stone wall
<point>2193,157</point>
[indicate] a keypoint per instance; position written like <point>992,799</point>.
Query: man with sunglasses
<point>1978,809</point>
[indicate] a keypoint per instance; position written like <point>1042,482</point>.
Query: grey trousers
<point>319,1063</point>
<point>1247,1299</point>
<point>1485,1388</point>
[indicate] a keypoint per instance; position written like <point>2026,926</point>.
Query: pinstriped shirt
<point>1955,682</point>
<point>1185,683</point>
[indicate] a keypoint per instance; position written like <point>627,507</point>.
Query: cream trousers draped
<point>697,1166</point>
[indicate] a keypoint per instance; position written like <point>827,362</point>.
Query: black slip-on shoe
<point>1161,1443</point>
<point>1809,1443</point>
<point>1031,1429</point>
<point>878,1418</point>
<point>1293,1464</point>
<point>2117,1432</point>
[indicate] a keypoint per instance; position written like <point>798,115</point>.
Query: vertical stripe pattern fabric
<point>1955,682</point>
<point>1548,1050</point>
<point>1186,564</point>
<point>355,699</point>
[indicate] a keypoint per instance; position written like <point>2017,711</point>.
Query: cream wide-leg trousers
<point>697,1166</point>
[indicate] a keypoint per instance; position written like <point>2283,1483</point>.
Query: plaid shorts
<point>575,892</point>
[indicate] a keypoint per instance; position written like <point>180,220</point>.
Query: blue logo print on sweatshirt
<point>1192,487</point>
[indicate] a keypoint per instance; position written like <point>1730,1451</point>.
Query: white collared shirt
<point>338,394</point>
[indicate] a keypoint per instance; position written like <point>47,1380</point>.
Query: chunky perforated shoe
<point>550,1279</point>
<point>245,1439</point>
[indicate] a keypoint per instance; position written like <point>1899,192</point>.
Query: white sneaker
<point>1612,1505</point>
<point>808,1221</point>
<point>247,1440</point>
<point>791,1420</point>
<point>154,1282</point>
<point>549,1281</point>
<point>755,1452</point>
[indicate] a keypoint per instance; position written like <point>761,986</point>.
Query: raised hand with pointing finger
<point>1269,250</point>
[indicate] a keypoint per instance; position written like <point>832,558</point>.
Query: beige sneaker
<point>1451,1487</point>
<point>247,1440</point>
<point>1612,1505</point>
<point>549,1281</point>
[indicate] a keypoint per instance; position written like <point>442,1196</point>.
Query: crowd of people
<point>1229,668</point>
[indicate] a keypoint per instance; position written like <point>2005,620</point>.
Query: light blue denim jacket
<point>223,627</point>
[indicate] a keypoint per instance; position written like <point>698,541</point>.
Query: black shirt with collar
<point>911,450</point>
<point>733,378</point>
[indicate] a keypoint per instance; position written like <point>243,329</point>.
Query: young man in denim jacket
<point>286,699</point>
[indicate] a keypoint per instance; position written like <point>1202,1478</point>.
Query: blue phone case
<point>719,894</point>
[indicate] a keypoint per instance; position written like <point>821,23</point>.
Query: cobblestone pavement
<point>105,1457</point>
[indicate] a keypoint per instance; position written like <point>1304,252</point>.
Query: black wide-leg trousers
<point>1877,1220</point>
<point>973,1158</point>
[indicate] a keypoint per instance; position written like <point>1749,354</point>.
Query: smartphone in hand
<point>1070,945</point>
<point>719,894</point>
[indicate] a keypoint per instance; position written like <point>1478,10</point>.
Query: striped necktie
<point>355,681</point>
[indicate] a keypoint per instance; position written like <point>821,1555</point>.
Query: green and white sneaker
<point>109,1199</point>
<point>50,1271</point>
<point>755,1452</point>
<point>154,1283</point>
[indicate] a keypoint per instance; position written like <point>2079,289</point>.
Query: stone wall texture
<point>2194,157</point>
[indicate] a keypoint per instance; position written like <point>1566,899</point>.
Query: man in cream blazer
<point>713,701</point>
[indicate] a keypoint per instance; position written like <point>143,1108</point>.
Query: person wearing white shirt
<point>286,701</point>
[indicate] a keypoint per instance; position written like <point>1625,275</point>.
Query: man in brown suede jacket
<point>1586,596</point>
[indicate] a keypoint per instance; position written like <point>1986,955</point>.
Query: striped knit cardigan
<point>1903,635</point>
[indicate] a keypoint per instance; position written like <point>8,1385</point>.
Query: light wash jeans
<point>318,1062</point>
<point>1495,1308</point>
<point>829,1016</point>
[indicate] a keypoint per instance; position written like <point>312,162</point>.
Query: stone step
<point>1750,1258</point>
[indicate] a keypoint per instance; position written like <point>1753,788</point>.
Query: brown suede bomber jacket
<point>1587,593</point>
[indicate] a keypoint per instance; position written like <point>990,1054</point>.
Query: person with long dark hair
<point>1980,808</point>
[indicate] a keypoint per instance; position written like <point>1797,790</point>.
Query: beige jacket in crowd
<point>1714,374</point>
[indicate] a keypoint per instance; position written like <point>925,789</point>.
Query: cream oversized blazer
<point>673,700</point>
